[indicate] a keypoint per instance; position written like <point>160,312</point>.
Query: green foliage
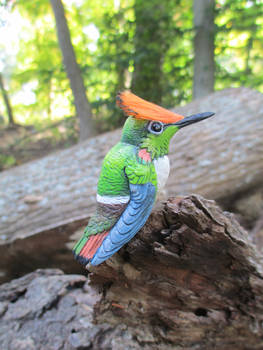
<point>178,61</point>
<point>151,40</point>
<point>112,59</point>
<point>119,44</point>
<point>239,44</point>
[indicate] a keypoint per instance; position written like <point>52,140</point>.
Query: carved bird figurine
<point>133,171</point>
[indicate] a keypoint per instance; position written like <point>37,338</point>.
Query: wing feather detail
<point>130,222</point>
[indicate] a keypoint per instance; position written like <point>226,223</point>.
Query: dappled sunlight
<point>114,51</point>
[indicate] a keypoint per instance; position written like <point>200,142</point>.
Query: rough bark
<point>7,103</point>
<point>86,124</point>
<point>221,159</point>
<point>47,310</point>
<point>203,47</point>
<point>190,279</point>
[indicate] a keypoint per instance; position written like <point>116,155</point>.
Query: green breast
<point>113,181</point>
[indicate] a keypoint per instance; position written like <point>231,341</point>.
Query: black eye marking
<point>155,127</point>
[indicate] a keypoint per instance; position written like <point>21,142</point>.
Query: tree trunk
<point>221,158</point>
<point>86,124</point>
<point>190,279</point>
<point>6,101</point>
<point>151,42</point>
<point>203,48</point>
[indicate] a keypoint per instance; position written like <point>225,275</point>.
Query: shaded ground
<point>21,144</point>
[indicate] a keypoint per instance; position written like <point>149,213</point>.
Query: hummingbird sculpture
<point>133,171</point>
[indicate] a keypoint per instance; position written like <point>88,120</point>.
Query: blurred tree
<point>86,124</point>
<point>6,101</point>
<point>112,57</point>
<point>178,60</point>
<point>39,85</point>
<point>143,45</point>
<point>203,47</point>
<point>152,40</point>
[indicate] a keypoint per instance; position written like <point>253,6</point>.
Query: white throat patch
<point>162,168</point>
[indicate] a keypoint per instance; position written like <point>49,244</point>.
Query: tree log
<point>221,158</point>
<point>191,279</point>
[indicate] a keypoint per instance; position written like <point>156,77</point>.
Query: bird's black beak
<point>193,119</point>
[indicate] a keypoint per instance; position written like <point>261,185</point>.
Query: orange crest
<point>141,109</point>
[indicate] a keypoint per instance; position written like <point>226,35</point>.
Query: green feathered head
<point>150,126</point>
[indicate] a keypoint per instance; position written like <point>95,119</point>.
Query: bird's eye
<point>155,127</point>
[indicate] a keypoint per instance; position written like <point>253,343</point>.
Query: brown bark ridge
<point>203,47</point>
<point>86,124</point>
<point>191,279</point>
<point>221,159</point>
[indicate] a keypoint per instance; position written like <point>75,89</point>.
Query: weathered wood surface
<point>190,279</point>
<point>219,158</point>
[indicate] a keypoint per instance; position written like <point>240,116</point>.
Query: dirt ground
<point>20,144</point>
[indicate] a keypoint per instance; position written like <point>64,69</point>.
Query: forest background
<point>62,64</point>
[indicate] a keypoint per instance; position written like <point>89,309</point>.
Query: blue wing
<point>130,222</point>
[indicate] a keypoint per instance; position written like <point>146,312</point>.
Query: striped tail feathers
<point>86,247</point>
